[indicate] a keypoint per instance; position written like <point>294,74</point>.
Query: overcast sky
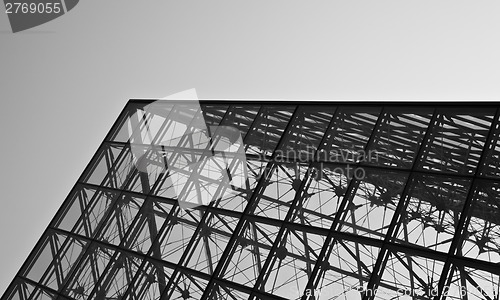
<point>63,84</point>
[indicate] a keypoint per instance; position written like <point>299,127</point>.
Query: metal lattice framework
<point>340,201</point>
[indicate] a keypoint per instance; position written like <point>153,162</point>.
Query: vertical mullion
<point>327,248</point>
<point>242,221</point>
<point>468,204</point>
<point>282,233</point>
<point>402,204</point>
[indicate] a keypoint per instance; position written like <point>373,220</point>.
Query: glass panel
<point>122,214</point>
<point>222,291</point>
<point>281,188</point>
<point>196,162</point>
<point>56,260</point>
<point>151,282</point>
<point>147,169</point>
<point>185,125</point>
<point>213,114</point>
<point>408,275</point>
<point>86,277</point>
<point>482,236</point>
<point>432,212</point>
<point>457,141</point>
<point>187,286</point>
<point>229,192</point>
<point>398,139</point>
<point>372,206</point>
<point>27,291</point>
<point>268,128</point>
<point>178,232</point>
<point>113,167</point>
<point>291,264</point>
<point>347,270</point>
<point>491,165</point>
<point>320,203</point>
<point>242,117</point>
<point>210,242</point>
<point>198,178</point>
<point>471,283</point>
<point>118,277</point>
<point>249,254</point>
<point>127,122</point>
<point>87,210</point>
<point>308,130</point>
<point>348,138</point>
<point>147,124</point>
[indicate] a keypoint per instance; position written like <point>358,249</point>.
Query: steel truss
<point>418,214</point>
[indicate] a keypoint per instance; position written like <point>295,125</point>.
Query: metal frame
<point>299,225</point>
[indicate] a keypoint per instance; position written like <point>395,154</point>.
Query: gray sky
<point>63,84</point>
